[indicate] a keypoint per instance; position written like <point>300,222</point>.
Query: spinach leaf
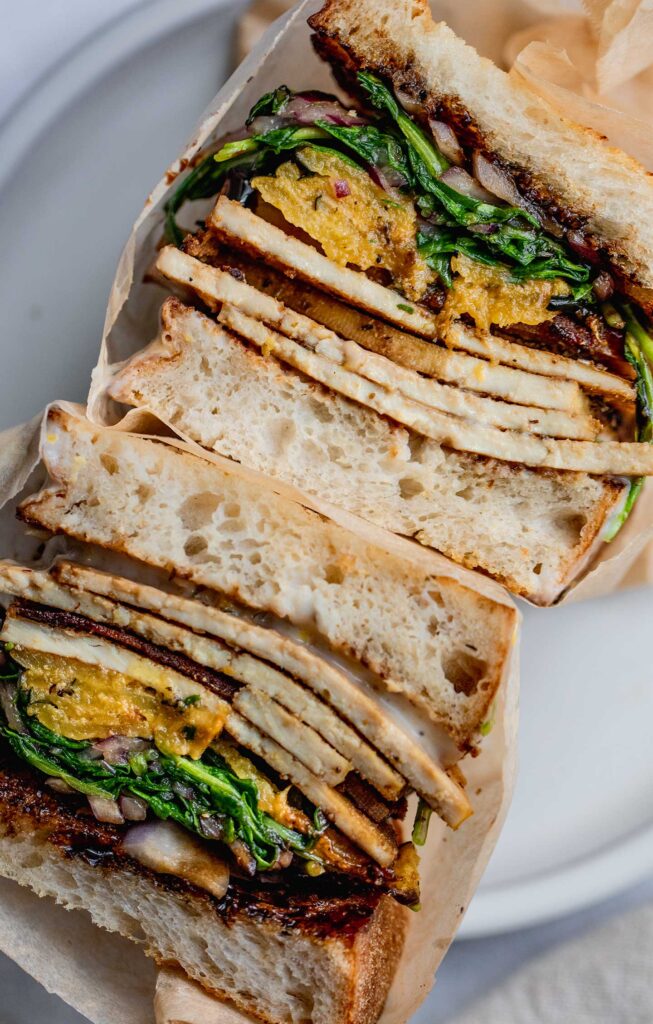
<point>376,148</point>
<point>421,823</point>
<point>205,796</point>
<point>638,351</point>
<point>278,140</point>
<point>426,155</point>
<point>204,180</point>
<point>269,104</point>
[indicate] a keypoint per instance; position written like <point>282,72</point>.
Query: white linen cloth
<point>604,977</point>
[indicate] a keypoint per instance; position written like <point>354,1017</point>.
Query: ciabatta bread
<point>205,383</point>
<point>330,964</point>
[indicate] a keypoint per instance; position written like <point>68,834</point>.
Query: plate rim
<point>497,909</point>
<point>88,61</point>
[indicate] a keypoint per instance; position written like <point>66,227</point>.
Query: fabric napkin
<point>604,977</point>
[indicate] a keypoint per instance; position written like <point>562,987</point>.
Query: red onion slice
<point>301,110</point>
<point>447,142</point>
<point>459,180</point>
<point>106,809</point>
<point>341,188</point>
<point>581,246</point>
<point>495,180</point>
<point>59,786</point>
<point>133,808</point>
<point>168,849</point>
<point>603,286</point>
<point>117,749</point>
<point>410,105</point>
<point>8,693</point>
<point>388,178</point>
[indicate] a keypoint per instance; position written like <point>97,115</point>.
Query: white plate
<point>78,158</point>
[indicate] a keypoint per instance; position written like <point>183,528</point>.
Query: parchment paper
<point>107,978</point>
<point>600,48</point>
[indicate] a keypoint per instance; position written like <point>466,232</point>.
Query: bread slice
<point>330,962</point>
<point>569,170</point>
<point>441,644</point>
<point>204,382</point>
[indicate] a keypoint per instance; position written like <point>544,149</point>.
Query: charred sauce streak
<point>223,685</point>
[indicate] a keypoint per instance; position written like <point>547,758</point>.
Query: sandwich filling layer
<point>243,777</point>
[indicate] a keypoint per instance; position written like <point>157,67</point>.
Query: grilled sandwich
<point>229,745</point>
<point>421,297</point>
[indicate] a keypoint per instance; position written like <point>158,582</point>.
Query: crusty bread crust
<point>444,645</point>
<point>581,178</point>
<point>280,972</point>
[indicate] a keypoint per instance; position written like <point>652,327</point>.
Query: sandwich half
<point>424,298</point>
<point>227,746</point>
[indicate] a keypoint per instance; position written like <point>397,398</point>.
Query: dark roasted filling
<point>320,906</point>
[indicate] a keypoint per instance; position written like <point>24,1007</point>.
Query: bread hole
<point>281,433</point>
<point>336,453</point>
<point>572,524</point>
<point>198,510</point>
<point>334,574</point>
<point>416,445</point>
<point>232,509</point>
<point>537,569</point>
<point>205,366</point>
<point>144,491</point>
<point>195,545</point>
<point>409,487</point>
<point>130,926</point>
<point>437,598</point>
<point>255,558</point>
<point>232,526</point>
<point>433,627</point>
<point>32,860</point>
<point>110,463</point>
<point>464,671</point>
<point>467,493</point>
<point>321,410</point>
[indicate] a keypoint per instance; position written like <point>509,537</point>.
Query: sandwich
<point>424,297</point>
<point>227,720</point>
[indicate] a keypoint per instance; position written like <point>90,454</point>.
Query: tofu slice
<point>240,227</point>
<point>218,286</point>
<point>606,458</point>
<point>338,809</point>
